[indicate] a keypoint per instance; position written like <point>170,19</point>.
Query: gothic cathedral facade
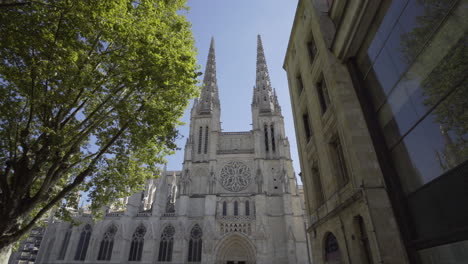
<point>235,201</point>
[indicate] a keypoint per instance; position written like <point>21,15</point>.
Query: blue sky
<point>234,26</point>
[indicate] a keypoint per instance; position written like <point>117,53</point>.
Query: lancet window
<point>83,243</point>
<point>166,244</point>
<point>138,240</point>
<point>195,244</point>
<point>236,208</point>
<point>273,146</point>
<point>206,140</point>
<point>107,243</point>
<point>224,208</point>
<point>200,137</point>
<point>66,240</point>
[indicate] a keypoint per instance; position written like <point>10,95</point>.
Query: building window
<point>66,240</point>
<point>273,145</point>
<point>324,99</point>
<point>166,244</point>
<point>305,120</point>
<point>317,181</point>
<point>366,257</point>
<point>236,208</point>
<point>300,84</point>
<point>332,250</point>
<point>266,137</point>
<point>83,243</point>
<point>247,208</point>
<point>138,241</point>
<point>312,50</point>
<point>107,244</point>
<point>206,139</point>
<point>200,138</point>
<point>339,160</point>
<point>195,244</point>
<point>224,208</point>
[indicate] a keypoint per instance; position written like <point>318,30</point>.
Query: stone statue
<point>284,178</point>
<point>185,181</point>
<point>259,180</point>
<point>212,182</point>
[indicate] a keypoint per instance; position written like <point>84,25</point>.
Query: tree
<point>91,94</point>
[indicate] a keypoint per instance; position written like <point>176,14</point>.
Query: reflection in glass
<point>418,86</point>
<point>438,143</point>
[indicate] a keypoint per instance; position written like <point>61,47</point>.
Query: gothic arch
<point>331,249</point>
<point>235,247</point>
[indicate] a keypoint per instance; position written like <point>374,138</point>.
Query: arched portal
<point>332,250</point>
<point>235,249</point>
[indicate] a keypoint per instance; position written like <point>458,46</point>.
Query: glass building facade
<point>412,70</point>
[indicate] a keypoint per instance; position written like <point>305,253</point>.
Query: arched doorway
<point>332,250</point>
<point>235,249</point>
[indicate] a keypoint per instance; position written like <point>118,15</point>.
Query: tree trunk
<point>5,253</point>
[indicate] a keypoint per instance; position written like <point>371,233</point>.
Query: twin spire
<point>264,97</point>
<point>209,97</point>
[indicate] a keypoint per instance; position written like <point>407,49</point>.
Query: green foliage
<point>91,94</point>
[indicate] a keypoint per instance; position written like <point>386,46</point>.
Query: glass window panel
<point>385,71</point>
<point>455,253</point>
<point>397,116</point>
<point>391,16</point>
<point>437,144</point>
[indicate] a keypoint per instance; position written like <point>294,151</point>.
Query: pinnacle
<point>264,97</point>
<point>209,95</point>
<point>212,45</point>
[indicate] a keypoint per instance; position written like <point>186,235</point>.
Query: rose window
<point>235,176</point>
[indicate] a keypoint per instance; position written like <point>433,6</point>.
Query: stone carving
<point>235,176</point>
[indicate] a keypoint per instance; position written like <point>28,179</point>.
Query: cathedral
<point>235,201</point>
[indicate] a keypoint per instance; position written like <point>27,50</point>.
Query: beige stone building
<point>379,95</point>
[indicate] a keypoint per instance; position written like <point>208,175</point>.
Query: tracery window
<point>332,250</point>
<point>247,208</point>
<point>224,208</point>
<point>266,137</point>
<point>235,176</point>
<point>166,244</point>
<point>195,244</point>
<point>206,140</point>
<point>236,208</point>
<point>107,243</point>
<point>66,240</point>
<point>83,243</point>
<point>138,240</point>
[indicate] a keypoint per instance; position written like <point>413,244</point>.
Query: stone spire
<point>209,97</point>
<point>264,97</point>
